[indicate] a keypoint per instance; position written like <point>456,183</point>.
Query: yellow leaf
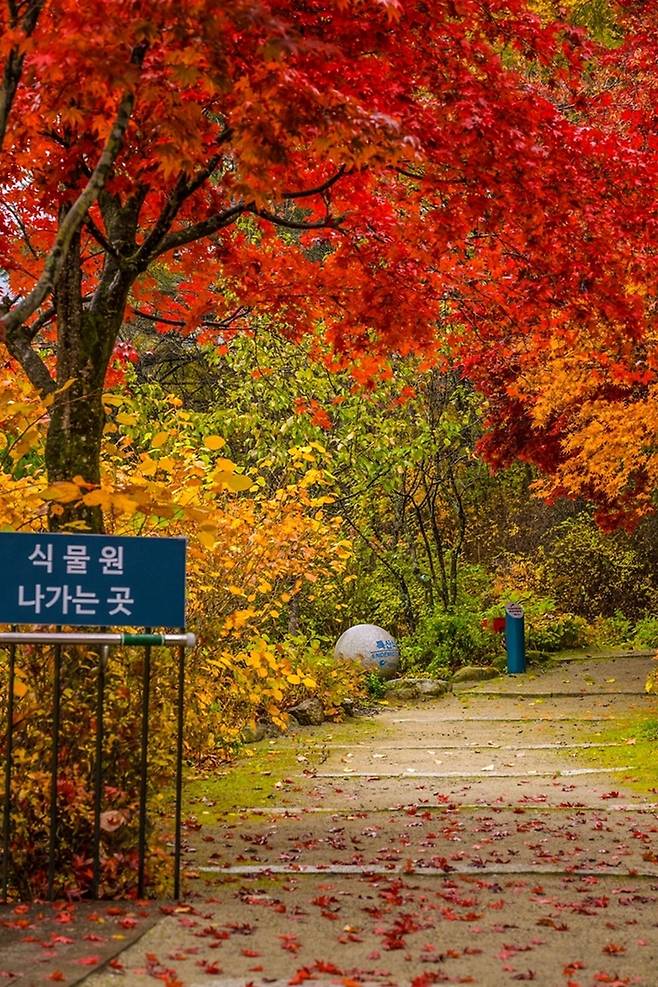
<point>309,683</point>
<point>20,689</point>
<point>124,418</point>
<point>293,678</point>
<point>124,504</point>
<point>64,492</point>
<point>98,498</point>
<point>207,539</point>
<point>159,439</point>
<point>223,464</point>
<point>234,481</point>
<point>214,442</point>
<point>113,400</point>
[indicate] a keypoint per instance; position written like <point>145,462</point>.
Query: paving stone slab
<point>389,930</point>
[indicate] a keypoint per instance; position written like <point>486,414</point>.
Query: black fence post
<point>54,766</point>
<point>98,769</point>
<point>179,771</point>
<point>143,778</point>
<point>9,754</point>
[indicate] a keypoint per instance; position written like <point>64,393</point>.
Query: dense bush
<point>646,633</point>
<point>556,632</point>
<point>591,574</point>
<point>445,640</point>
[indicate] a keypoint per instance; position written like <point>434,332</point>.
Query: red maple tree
<point>397,177</point>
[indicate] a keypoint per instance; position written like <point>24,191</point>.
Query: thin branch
<point>100,237</point>
<point>329,222</point>
<point>319,189</point>
<point>22,227</point>
<point>74,217</point>
<point>13,68</point>
<point>183,189</point>
<point>206,227</point>
<point>208,323</point>
<point>35,327</point>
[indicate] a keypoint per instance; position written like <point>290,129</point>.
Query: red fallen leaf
<point>56,975</point>
<point>611,795</point>
<point>321,966</point>
<point>289,942</point>
<point>572,967</point>
<point>116,964</point>
<point>614,949</point>
<point>88,960</point>
<point>301,976</point>
<point>611,979</point>
<point>250,952</point>
<point>128,923</point>
<point>209,967</point>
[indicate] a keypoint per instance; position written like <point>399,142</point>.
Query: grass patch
<point>253,780</point>
<point>639,736</point>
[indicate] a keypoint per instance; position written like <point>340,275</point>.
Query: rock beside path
<point>475,673</point>
<point>410,689</point>
<point>309,713</point>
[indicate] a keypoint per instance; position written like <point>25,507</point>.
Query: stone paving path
<point>468,842</point>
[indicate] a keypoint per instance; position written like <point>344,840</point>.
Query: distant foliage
<point>592,574</point>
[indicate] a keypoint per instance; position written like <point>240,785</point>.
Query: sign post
<point>515,638</point>
<point>92,580</point>
<point>98,582</point>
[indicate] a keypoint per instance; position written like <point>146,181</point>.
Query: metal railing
<point>11,641</point>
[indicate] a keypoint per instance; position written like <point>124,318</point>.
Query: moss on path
<point>256,778</point>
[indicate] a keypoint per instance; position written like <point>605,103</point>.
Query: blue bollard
<point>515,638</point>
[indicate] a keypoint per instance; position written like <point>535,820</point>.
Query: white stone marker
<point>372,646</point>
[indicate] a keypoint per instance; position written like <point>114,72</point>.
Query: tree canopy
<point>411,178</point>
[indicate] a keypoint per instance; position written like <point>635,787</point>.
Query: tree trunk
<point>73,445</point>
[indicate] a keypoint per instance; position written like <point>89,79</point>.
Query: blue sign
<point>94,580</point>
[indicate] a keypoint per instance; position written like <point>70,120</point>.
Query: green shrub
<point>646,633</point>
<point>610,631</point>
<point>555,632</point>
<point>445,640</point>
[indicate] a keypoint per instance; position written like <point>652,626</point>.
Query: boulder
<point>372,646</point>
<point>308,713</point>
<point>432,687</point>
<point>410,689</point>
<point>475,673</point>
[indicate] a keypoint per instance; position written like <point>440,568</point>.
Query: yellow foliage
<point>259,548</point>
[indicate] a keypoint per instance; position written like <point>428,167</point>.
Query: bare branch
<point>100,237</point>
<point>19,344</point>
<point>240,313</point>
<point>35,327</point>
